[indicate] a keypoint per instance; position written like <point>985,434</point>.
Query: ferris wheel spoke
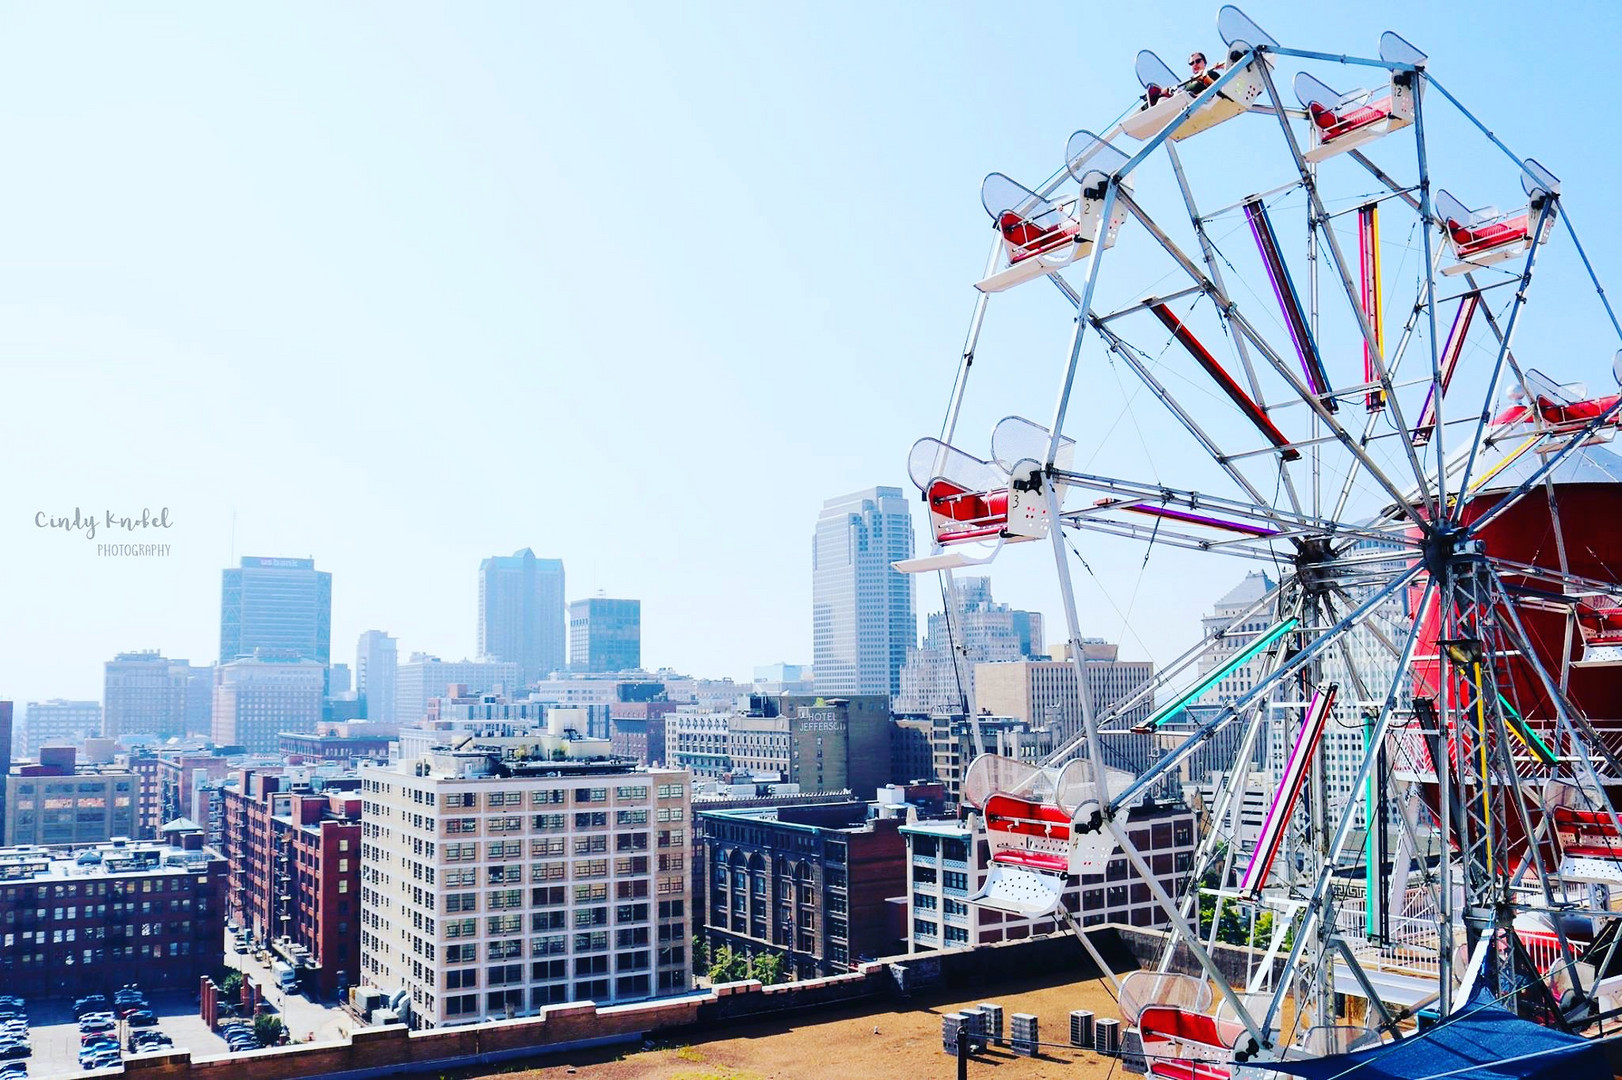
<point>1259,517</point>
<point>1170,537</point>
<point>1131,357</point>
<point>1373,417</point>
<point>1327,418</point>
<point>1173,671</point>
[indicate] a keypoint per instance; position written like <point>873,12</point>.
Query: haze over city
<point>398,288</point>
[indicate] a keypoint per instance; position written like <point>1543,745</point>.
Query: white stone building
<point>496,883</point>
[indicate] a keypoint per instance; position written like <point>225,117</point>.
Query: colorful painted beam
<point>1529,738</point>
<point>1224,381</point>
<point>1368,251</point>
<point>1238,660</point>
<point>1296,771</point>
<point>1289,301</point>
<point>1451,351</point>
<point>1174,514</point>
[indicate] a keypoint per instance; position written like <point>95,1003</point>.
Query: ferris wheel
<point>1360,412</point>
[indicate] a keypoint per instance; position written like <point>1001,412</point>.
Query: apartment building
<point>496,881</point>
<point>292,842</point>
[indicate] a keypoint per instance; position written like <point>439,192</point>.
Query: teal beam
<point>1239,659</point>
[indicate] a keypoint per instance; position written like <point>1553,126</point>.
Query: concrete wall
<point>1237,962</point>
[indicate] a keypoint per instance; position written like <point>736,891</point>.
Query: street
<point>306,1020</point>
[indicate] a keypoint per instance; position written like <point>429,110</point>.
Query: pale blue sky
<point>399,286</point>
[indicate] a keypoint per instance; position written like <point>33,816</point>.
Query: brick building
<point>59,801</point>
<point>637,730</point>
<point>144,768</point>
<point>293,847</point>
<point>809,882</point>
<point>97,917</point>
<point>181,776</point>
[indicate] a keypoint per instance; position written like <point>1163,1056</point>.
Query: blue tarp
<point>1482,1041</point>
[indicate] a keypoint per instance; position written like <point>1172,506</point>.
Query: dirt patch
<point>902,1042</point>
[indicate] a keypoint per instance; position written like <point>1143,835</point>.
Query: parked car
<point>93,1038</point>
<point>89,1003</point>
<point>141,1018</point>
<point>15,1048</point>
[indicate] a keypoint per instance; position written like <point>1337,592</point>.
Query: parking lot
<point>54,1033</point>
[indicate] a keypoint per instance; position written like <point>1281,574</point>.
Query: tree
<point>728,966</point>
<point>231,986</point>
<point>267,1029</point>
<point>701,955</point>
<point>766,967</point>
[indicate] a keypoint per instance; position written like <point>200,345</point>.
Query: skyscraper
<point>605,635</point>
<point>376,660</point>
<point>257,698</point>
<point>862,620</point>
<point>934,678</point>
<point>1237,635</point>
<point>280,604</point>
<point>521,613</point>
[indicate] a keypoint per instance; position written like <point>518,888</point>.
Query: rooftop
<point>900,1039</point>
<point>112,859</point>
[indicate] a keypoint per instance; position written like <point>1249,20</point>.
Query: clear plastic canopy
<point>1536,180</point>
<point>1141,989</point>
<point>989,774</point>
<point>1086,154</point>
<point>1237,30</point>
<point>1152,71</point>
<point>1450,209</point>
<point>1310,91</point>
<point>931,459</point>
<point>1017,439</point>
<point>1396,49</point>
<point>999,194</point>
<point>1546,389</point>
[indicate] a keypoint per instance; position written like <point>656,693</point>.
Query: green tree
<point>722,963</point>
<point>766,967</point>
<point>701,955</point>
<point>231,986</point>
<point>267,1029</point>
